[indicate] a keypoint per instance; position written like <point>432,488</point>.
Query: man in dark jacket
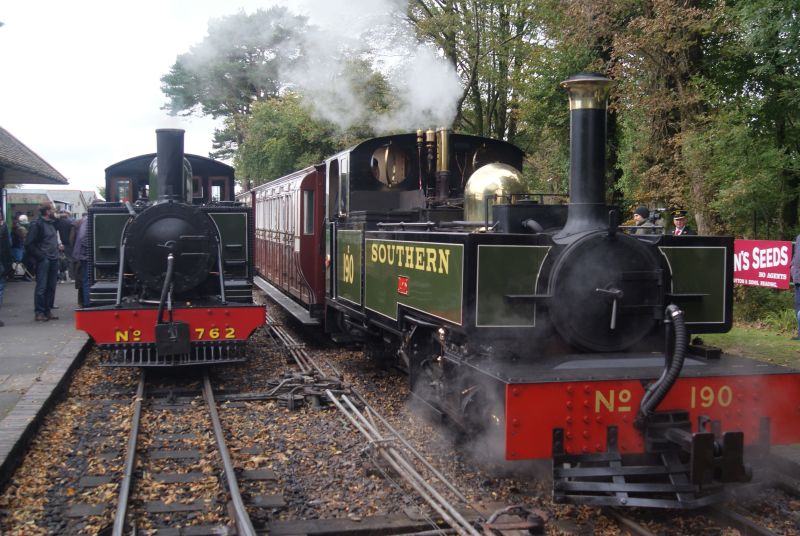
<point>42,245</point>
<point>6,266</point>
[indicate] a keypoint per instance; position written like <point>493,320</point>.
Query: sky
<point>81,79</point>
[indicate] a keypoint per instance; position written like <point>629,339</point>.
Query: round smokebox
<point>605,296</point>
<point>166,228</point>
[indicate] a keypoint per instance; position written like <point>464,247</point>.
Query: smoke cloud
<point>425,87</point>
<point>327,51</point>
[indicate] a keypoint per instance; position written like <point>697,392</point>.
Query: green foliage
<point>783,320</point>
<point>743,171</point>
<point>489,44</point>
<point>236,64</point>
<point>705,113</point>
<point>281,136</point>
<point>763,305</point>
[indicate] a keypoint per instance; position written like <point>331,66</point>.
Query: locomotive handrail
<point>121,272</point>
<point>221,275</point>
<point>419,322</point>
<point>428,224</point>
<point>527,297</point>
<point>458,223</point>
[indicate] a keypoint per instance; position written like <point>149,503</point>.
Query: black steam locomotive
<point>517,313</point>
<point>171,262</point>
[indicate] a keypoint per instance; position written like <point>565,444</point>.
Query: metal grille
<point>145,355</point>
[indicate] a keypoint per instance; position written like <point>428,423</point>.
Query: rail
<point>383,442</point>
<point>130,461</point>
<point>244,525</point>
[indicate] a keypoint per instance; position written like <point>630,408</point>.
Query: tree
<point>286,133</point>
<point>485,41</point>
<point>236,65</point>
<point>661,63</point>
<point>281,136</point>
<point>761,66</point>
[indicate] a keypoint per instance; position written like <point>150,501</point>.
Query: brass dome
<point>491,180</point>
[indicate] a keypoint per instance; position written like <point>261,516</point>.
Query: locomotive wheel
<point>381,352</point>
<point>425,374</point>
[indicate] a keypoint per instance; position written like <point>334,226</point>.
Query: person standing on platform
<point>6,264</point>
<point>42,245</point>
<point>80,252</point>
<point>681,229</point>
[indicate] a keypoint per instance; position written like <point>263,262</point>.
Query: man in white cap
<point>681,229</point>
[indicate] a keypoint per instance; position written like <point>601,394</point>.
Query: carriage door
<point>332,186</point>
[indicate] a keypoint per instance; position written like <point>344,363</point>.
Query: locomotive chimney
<point>588,98</point>
<point>170,182</point>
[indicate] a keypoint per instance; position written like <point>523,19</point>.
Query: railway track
<point>768,508</point>
<point>169,512</point>
<point>176,472</point>
<point>397,459</point>
<point>310,456</point>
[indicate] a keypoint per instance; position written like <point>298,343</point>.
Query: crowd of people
<point>52,249</point>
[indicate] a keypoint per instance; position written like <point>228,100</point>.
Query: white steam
<point>428,89</point>
<point>425,87</point>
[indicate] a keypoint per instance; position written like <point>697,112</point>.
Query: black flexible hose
<point>165,288</point>
<point>673,364</point>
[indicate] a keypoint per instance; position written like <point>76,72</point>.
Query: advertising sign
<point>762,263</point>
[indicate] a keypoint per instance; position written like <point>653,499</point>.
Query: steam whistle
<point>420,148</point>
<point>442,164</point>
<point>430,143</point>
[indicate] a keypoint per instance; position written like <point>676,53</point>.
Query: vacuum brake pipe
<point>658,390</point>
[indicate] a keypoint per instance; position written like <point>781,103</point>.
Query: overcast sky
<point>80,80</point>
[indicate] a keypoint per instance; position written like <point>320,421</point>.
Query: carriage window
<point>308,212</point>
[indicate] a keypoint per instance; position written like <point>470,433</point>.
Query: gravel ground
<point>464,462</point>
<point>322,465</point>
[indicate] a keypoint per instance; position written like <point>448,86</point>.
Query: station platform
<point>36,359</point>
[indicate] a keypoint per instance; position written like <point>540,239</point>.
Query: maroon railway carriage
<point>289,239</point>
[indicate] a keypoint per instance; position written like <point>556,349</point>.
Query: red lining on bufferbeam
<point>584,410</point>
<point>136,326</point>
